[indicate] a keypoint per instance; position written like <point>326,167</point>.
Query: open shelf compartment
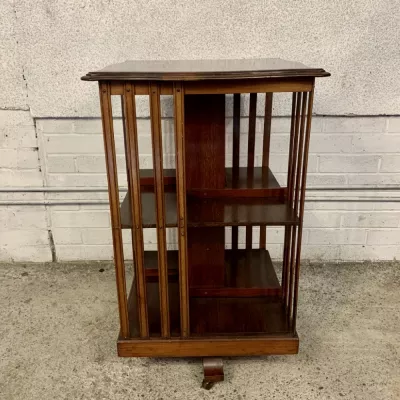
<point>249,304</point>
<point>247,200</point>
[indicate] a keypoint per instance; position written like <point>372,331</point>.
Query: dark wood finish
<point>248,273</point>
<point>181,207</point>
<point>226,86</point>
<point>292,194</point>
<point>113,194</point>
<point>288,230</point>
<point>205,141</point>
<point>147,178</point>
<point>262,183</point>
<point>204,300</point>
<point>155,116</point>
<point>235,159</point>
<point>213,368</point>
<point>226,316</point>
<point>186,70</point>
<point>135,205</point>
<point>209,347</point>
<point>236,212</point>
<point>265,156</point>
<point>301,212</point>
<point>205,168</point>
<point>148,211</point>
<point>250,155</point>
<point>251,281</point>
<point>215,212</point>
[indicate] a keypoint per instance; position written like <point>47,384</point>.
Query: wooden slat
<point>235,158</point>
<point>181,207</point>
<point>265,155</point>
<point>252,133</point>
<point>112,177</point>
<point>250,155</point>
<point>267,130</point>
<point>236,137</point>
<point>135,203</point>
<point>155,116</point>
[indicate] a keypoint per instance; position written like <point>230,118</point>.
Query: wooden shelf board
<point>213,212</point>
<point>260,178</point>
<point>262,315</point>
<point>241,183</point>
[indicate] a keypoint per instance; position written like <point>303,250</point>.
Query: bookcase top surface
<point>190,70</point>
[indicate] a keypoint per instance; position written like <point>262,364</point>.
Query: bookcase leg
<point>213,368</point>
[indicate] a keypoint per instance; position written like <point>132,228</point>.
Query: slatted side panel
<point>250,156</point>
<point>302,190</point>
<point>235,158</point>
<point>292,176</point>
<point>297,164</point>
<point>111,164</point>
<point>155,116</point>
<point>297,170</point>
<point>265,155</point>
<point>288,229</point>
<point>132,165</point>
<point>178,93</point>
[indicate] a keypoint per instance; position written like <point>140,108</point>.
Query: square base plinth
<point>208,347</point>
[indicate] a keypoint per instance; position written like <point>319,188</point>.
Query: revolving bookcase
<point>207,298</point>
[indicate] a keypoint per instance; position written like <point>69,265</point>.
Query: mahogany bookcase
<point>203,299</point>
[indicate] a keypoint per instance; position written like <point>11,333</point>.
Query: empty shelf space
<point>248,273</point>
<point>149,211</point>
<point>213,212</point>
<point>241,183</point>
<point>210,313</point>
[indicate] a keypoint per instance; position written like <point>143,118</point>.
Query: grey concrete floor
<point>58,328</point>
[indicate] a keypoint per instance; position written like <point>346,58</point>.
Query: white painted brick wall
<point>344,151</point>
<point>23,230</point>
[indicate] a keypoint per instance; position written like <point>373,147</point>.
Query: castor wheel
<point>213,368</point>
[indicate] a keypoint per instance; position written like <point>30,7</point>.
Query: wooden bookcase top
<point>192,70</point>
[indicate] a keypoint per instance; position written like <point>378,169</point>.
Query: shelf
<point>249,200</point>
<point>149,211</point>
<point>257,312</point>
<point>213,212</point>
<point>261,183</point>
<point>248,273</point>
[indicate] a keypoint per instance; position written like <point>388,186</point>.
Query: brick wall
<point>68,154</point>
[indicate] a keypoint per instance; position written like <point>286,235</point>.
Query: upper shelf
<point>194,70</point>
<point>258,182</point>
<point>250,197</point>
<point>212,212</point>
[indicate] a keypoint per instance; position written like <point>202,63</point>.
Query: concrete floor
<point>58,328</point>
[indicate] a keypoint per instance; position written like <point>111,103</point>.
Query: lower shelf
<point>249,304</point>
